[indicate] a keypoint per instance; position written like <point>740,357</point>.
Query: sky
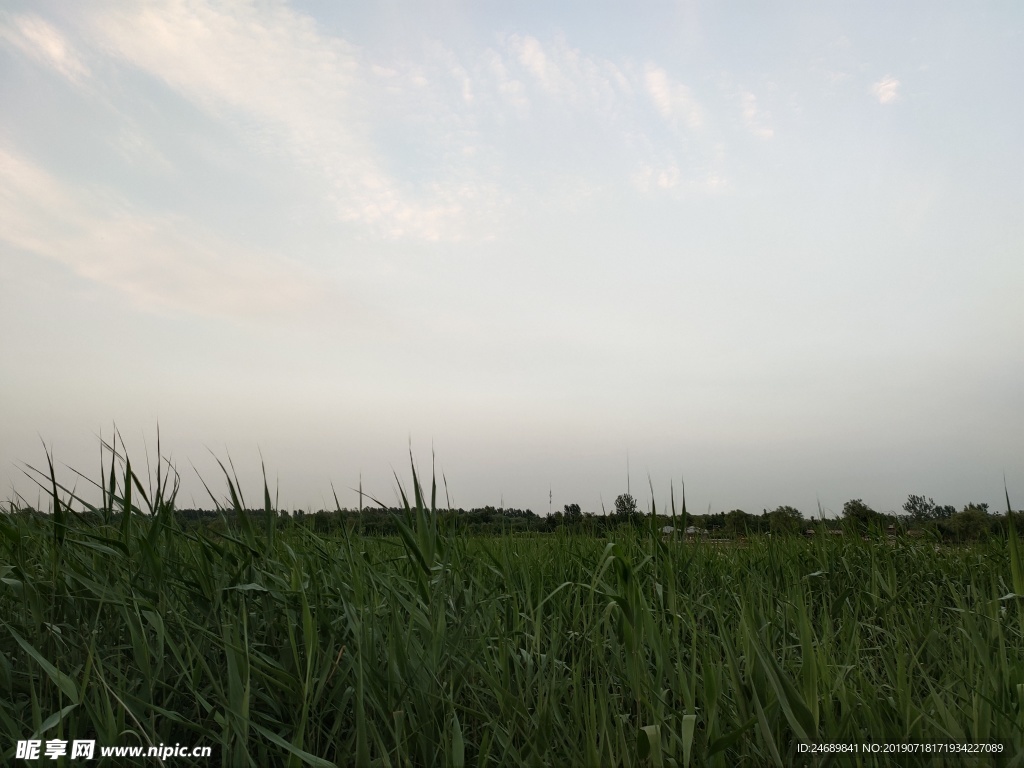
<point>774,251</point>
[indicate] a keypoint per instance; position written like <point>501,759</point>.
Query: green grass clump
<point>277,645</point>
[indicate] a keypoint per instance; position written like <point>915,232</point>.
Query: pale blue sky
<point>775,248</point>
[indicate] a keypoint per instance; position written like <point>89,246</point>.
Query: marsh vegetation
<point>278,643</point>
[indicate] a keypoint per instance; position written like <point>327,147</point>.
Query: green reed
<point>277,645</point>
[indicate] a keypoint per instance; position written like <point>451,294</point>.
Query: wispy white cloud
<point>531,55</point>
<point>313,97</point>
<point>429,148</point>
<point>609,98</point>
<point>509,89</point>
<point>565,72</point>
<point>667,177</point>
<point>673,100</point>
<point>886,90</point>
<point>158,261</point>
<point>43,42</point>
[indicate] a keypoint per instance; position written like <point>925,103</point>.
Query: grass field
<point>276,645</point>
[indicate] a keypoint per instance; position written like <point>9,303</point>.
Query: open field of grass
<point>278,645</point>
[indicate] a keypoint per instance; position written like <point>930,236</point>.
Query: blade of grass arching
<point>682,495</point>
<point>1016,562</point>
<point>53,719</point>
<point>401,492</point>
<point>766,731</point>
<point>236,661</point>
<point>458,752</point>
<point>309,637</point>
<point>648,744</point>
<point>149,468</point>
<point>362,741</point>
<point>140,490</point>
<point>158,494</point>
<point>305,757</point>
<point>654,510</point>
<point>71,494</point>
<point>167,493</point>
<point>61,680</point>
<point>268,509</point>
<point>116,548</point>
<point>723,743</point>
<point>103,488</point>
<point>809,664</point>
<point>238,485</point>
<point>433,480</point>
<point>216,502</point>
<point>337,509</point>
<point>109,513</point>
<point>238,503</point>
<point>736,672</point>
<point>417,491</point>
<point>169,501</point>
<point>59,520</point>
<point>412,546</point>
<point>126,503</point>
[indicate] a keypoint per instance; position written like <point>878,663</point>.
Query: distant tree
<point>919,508</point>
<point>860,514</point>
<point>785,519</point>
<point>738,522</point>
<point>573,513</point>
<point>973,523</point>
<point>715,522</point>
<point>625,507</point>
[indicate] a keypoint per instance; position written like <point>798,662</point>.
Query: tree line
<point>920,516</point>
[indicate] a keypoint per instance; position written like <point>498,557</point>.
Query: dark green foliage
<point>626,508</point>
<point>739,523</point>
<point>786,520</point>
<point>919,508</point>
<point>551,650</point>
<point>860,515</point>
<point>279,644</point>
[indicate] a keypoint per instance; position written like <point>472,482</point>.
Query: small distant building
<point>693,532</point>
<point>668,531</point>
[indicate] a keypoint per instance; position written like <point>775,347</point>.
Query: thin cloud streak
<point>158,261</point>
<point>42,42</point>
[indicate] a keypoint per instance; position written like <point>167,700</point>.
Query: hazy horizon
<point>775,253</point>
